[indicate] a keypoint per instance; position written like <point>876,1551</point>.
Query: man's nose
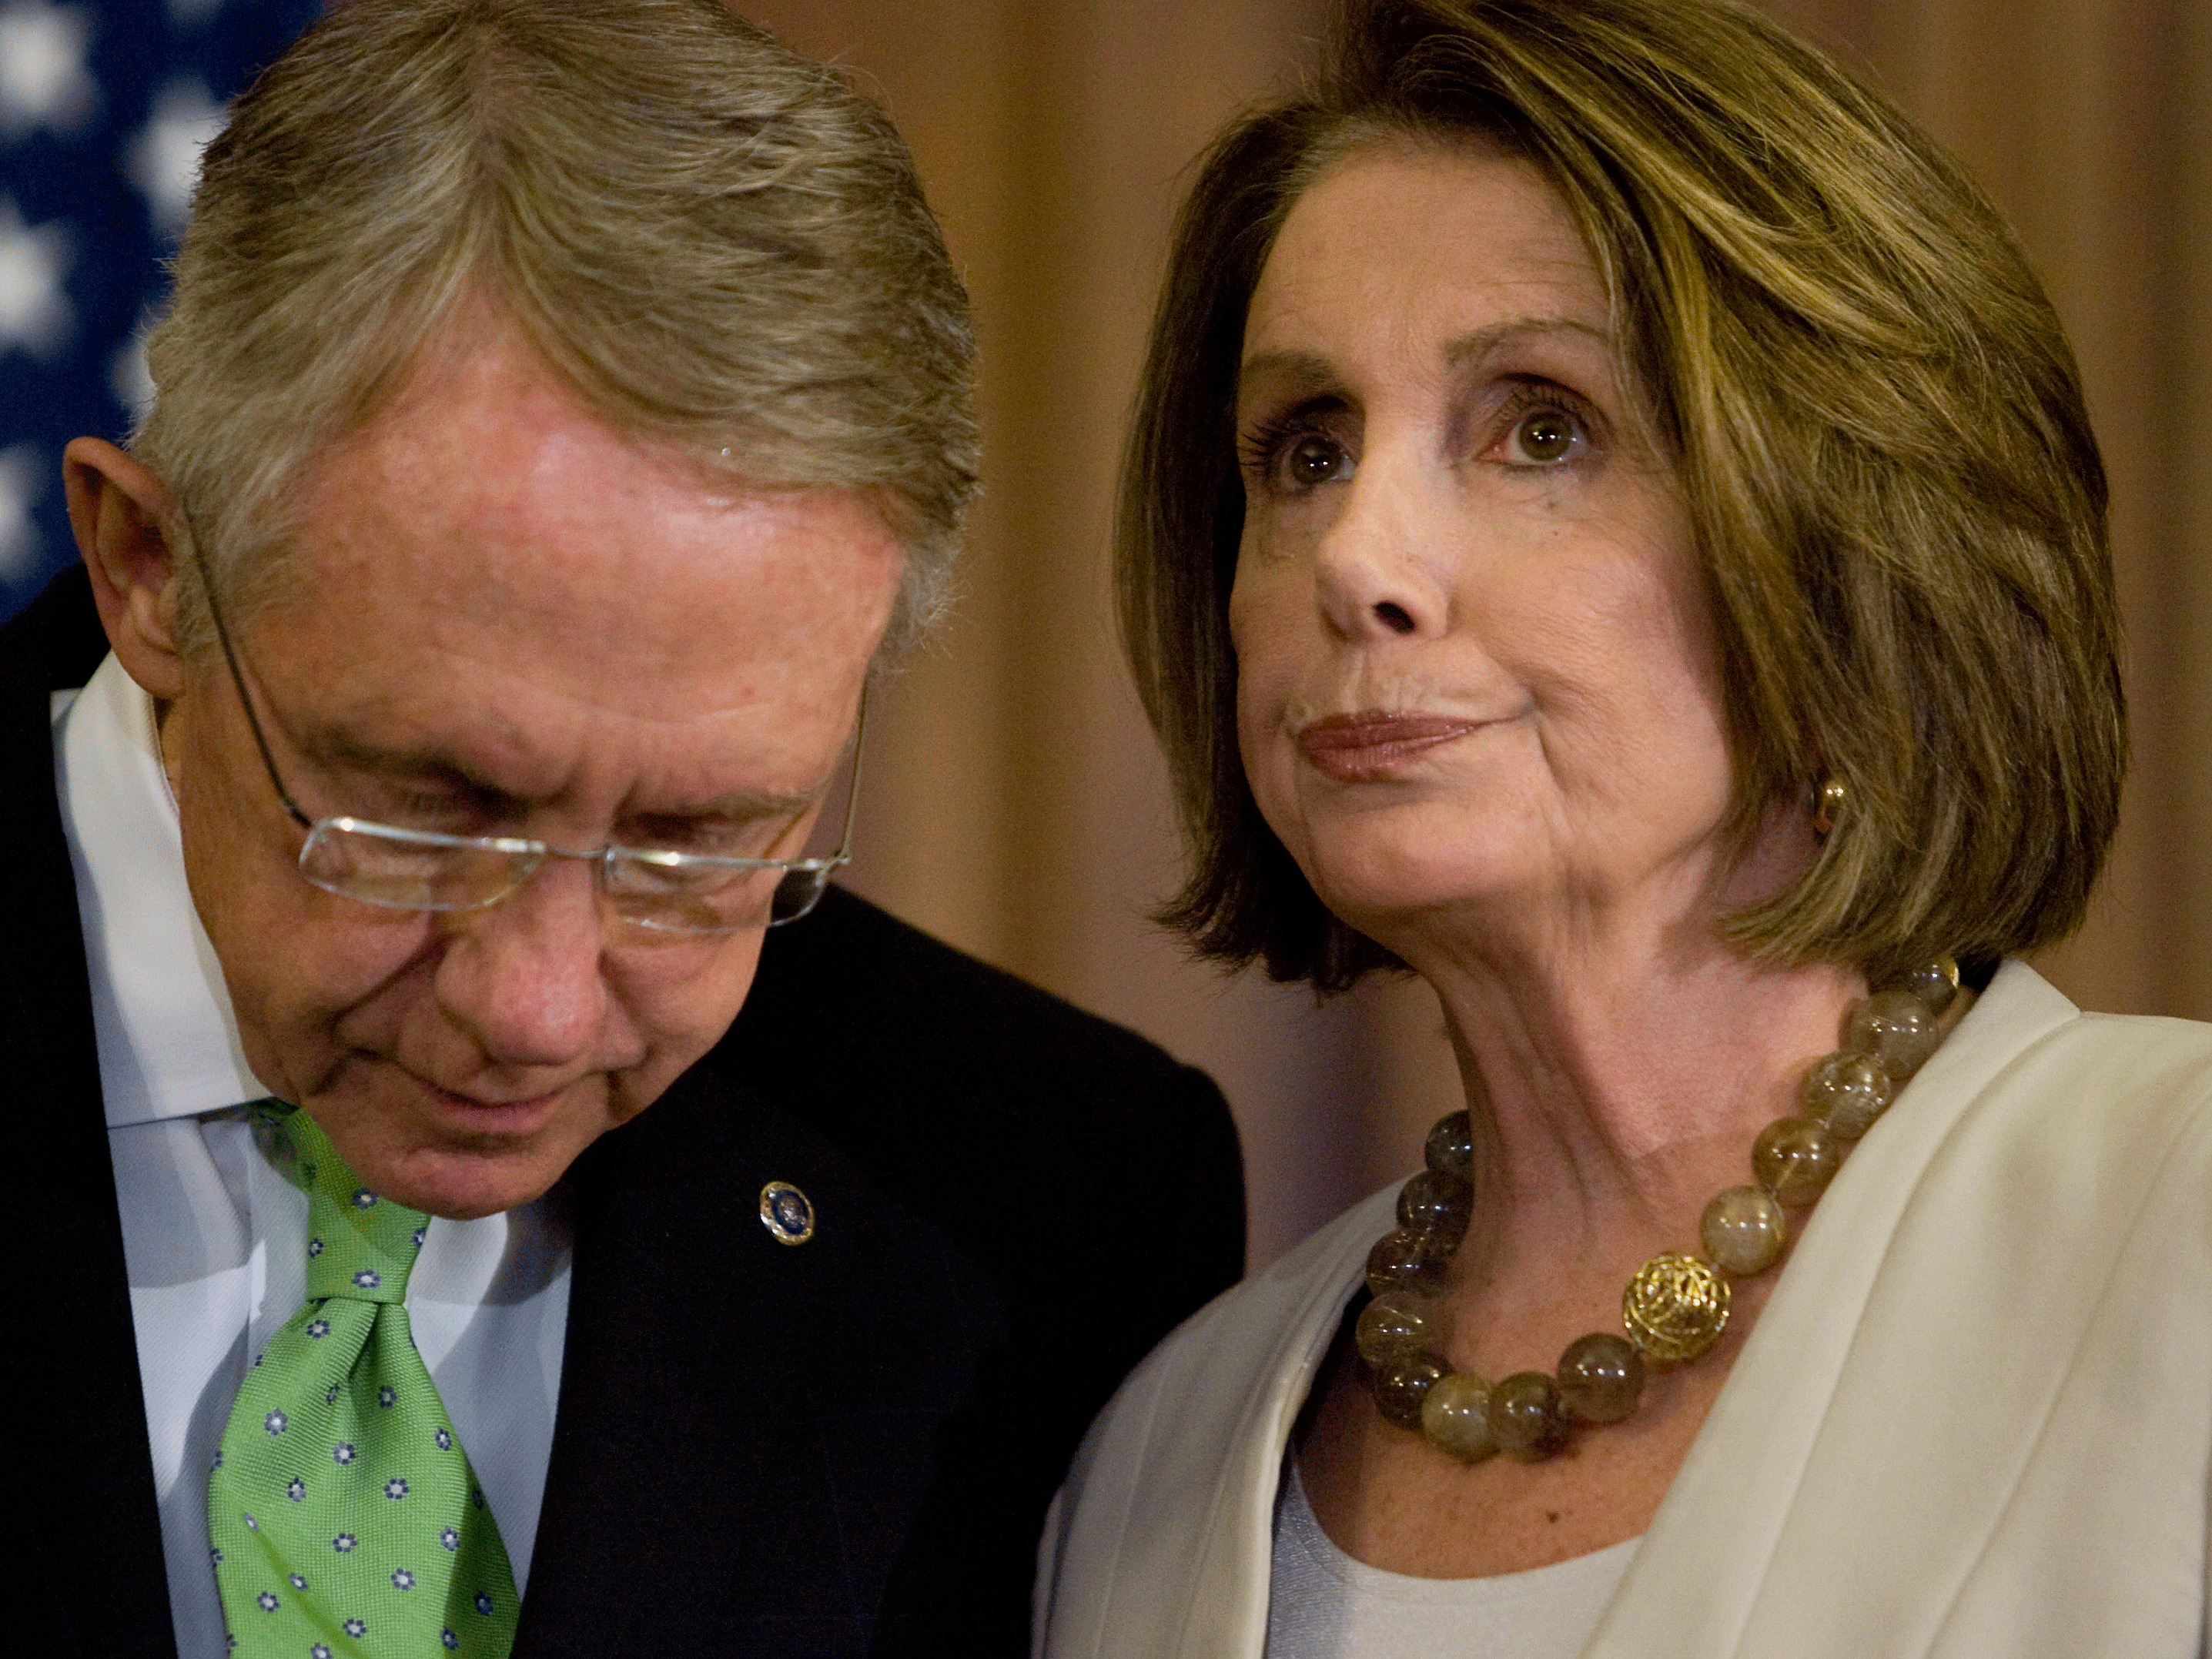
<point>523,977</point>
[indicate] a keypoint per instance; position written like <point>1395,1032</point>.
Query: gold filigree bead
<point>1795,1159</point>
<point>1455,1417</point>
<point>1397,1322</point>
<point>1847,1092</point>
<point>1743,1230</point>
<point>1675,1308</point>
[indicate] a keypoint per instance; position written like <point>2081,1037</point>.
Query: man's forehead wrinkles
<point>502,759</point>
<point>429,762</point>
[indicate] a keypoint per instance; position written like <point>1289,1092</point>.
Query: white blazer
<point>1974,1420</point>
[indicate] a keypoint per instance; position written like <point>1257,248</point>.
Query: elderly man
<point>562,410</point>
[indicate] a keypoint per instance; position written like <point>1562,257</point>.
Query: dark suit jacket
<point>842,1447</point>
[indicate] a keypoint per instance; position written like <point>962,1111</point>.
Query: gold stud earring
<point>1828,800</point>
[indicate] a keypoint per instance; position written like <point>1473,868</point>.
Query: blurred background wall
<point>1014,803</point>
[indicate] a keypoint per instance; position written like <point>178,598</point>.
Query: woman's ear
<point>117,509</point>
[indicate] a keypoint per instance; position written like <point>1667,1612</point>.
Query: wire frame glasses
<point>401,869</point>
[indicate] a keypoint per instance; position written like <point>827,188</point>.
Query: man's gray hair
<point>717,243</point>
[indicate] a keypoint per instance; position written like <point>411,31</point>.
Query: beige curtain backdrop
<point>1014,804</point>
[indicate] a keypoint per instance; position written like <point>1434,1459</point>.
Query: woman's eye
<point>1314,459</point>
<point>1544,437</point>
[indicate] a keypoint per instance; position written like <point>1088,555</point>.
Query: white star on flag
<point>35,313</point>
<point>44,81</point>
<point>128,376</point>
<point>163,156</point>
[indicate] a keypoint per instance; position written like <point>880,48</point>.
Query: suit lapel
<point>83,1462</point>
<point>737,1457</point>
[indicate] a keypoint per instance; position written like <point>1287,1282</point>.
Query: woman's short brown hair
<point>1878,431</point>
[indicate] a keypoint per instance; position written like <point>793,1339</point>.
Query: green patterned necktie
<point>343,1512</point>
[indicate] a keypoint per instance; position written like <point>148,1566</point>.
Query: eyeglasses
<point>402,869</point>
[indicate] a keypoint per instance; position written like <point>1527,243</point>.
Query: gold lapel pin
<point>786,1212</point>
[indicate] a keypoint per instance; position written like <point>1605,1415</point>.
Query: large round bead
<point>1401,1385</point>
<point>1526,1418</point>
<point>1934,982</point>
<point>1401,1261</point>
<point>1600,1378</point>
<point>1675,1308</point>
<point>1455,1417</point>
<point>1398,1322</point>
<point>1437,1208</point>
<point>1743,1230</point>
<point>1847,1091</point>
<point>1897,1028</point>
<point>1795,1159</point>
<point>1450,1147</point>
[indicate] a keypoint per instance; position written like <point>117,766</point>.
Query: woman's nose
<point>1376,576</point>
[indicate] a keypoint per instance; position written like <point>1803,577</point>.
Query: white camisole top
<point>1322,1604</point>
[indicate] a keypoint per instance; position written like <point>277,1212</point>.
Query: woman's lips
<point>1369,747</point>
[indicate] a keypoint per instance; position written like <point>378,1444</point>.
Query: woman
<point>1613,527</point>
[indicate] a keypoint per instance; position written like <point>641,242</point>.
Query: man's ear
<point>118,509</point>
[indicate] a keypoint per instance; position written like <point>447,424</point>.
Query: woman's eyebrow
<point>1481,342</point>
<point>1305,368</point>
<point>1312,370</point>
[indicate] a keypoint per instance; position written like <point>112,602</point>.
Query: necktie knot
<point>361,1245</point>
<point>344,1519</point>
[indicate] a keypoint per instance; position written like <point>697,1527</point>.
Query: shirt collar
<point>168,1036</point>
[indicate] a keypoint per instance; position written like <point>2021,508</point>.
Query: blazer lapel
<point>1723,1538</point>
<point>82,1466</point>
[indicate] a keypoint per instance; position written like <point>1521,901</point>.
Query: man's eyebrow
<point>743,806</point>
<point>344,749</point>
<point>337,747</point>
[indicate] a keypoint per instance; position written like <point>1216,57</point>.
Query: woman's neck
<point>1593,1079</point>
<point>1619,1053</point>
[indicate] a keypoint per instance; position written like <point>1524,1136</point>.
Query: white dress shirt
<point>213,1225</point>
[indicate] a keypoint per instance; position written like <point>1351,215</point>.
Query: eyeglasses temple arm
<point>237,678</point>
<point>853,785</point>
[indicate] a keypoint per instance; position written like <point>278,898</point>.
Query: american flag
<point>105,105</point>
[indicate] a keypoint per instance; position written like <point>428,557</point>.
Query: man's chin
<point>462,1184</point>
<point>456,1155</point>
<point>459,1171</point>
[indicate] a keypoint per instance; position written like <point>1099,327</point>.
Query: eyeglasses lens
<point>652,890</point>
<point>408,875</point>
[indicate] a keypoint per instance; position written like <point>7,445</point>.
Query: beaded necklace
<point>1677,1305</point>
